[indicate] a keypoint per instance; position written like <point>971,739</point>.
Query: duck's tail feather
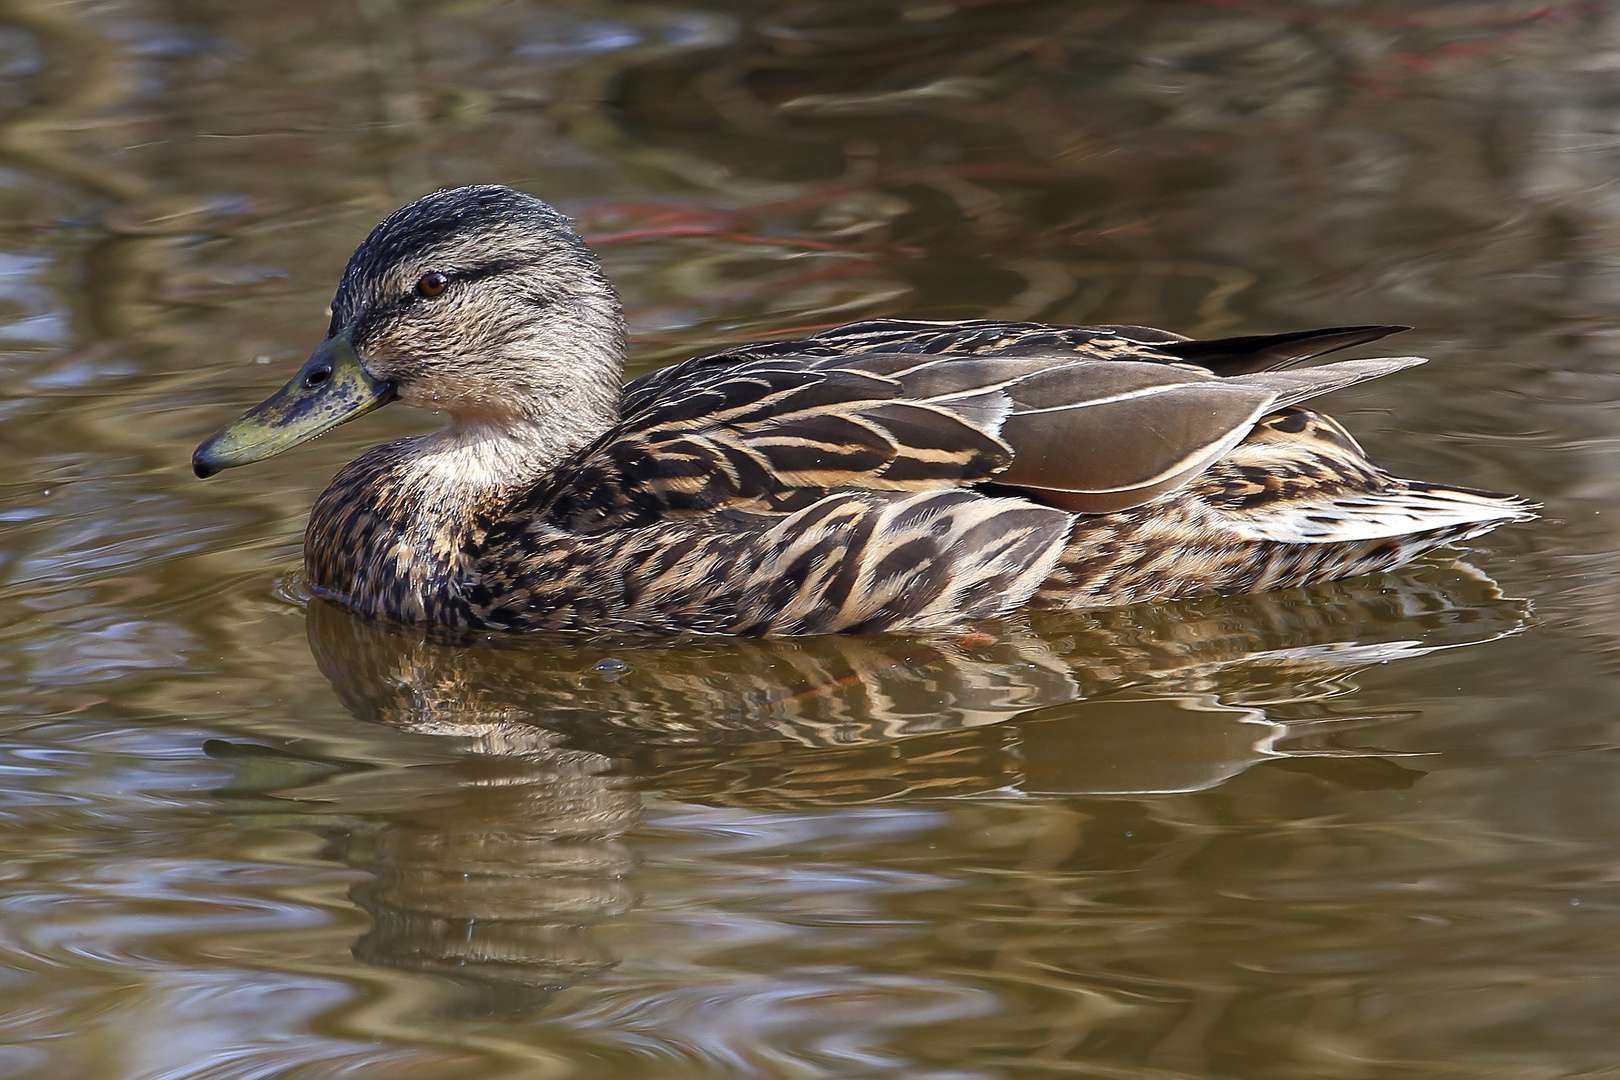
<point>1403,508</point>
<point>1266,352</point>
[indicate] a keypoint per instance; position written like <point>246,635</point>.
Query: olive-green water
<point>1366,830</point>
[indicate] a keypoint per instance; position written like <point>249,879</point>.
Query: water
<point>1362,830</point>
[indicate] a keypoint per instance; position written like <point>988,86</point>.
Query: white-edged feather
<point>1404,509</point>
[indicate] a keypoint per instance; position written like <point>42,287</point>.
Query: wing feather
<point>1135,431</point>
<point>1088,435</point>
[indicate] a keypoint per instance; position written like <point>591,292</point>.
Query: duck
<point>885,476</point>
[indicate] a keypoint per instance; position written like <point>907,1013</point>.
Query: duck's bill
<point>331,388</point>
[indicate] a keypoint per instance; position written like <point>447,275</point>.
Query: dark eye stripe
<point>426,283</point>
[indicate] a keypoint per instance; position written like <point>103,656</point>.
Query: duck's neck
<point>485,457</point>
<point>398,529</point>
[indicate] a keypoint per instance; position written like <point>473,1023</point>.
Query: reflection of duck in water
<point>715,703</point>
<point>883,476</point>
<point>495,869</point>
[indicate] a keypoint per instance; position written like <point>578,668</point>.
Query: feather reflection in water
<point>522,849</point>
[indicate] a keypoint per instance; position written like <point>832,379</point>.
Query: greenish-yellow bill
<point>331,388</point>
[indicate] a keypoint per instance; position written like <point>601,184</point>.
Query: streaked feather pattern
<point>1094,435</point>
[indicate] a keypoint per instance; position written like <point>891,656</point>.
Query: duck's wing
<point>1090,436</point>
<point>1100,436</point>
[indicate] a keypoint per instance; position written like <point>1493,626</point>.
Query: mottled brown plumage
<point>886,475</point>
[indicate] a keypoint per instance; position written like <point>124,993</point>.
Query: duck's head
<point>479,301</point>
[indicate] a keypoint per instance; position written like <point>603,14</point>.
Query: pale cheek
<point>406,355</point>
<point>454,390</point>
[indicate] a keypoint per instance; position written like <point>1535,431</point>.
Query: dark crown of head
<point>442,221</point>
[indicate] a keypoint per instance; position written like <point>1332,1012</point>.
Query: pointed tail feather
<point>1266,352</point>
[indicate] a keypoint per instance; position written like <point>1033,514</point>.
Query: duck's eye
<point>432,284</point>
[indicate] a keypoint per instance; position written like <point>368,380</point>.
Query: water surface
<point>1362,830</point>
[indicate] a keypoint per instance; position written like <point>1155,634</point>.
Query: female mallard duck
<point>886,475</point>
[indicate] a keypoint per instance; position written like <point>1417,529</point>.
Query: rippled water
<point>1362,830</point>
